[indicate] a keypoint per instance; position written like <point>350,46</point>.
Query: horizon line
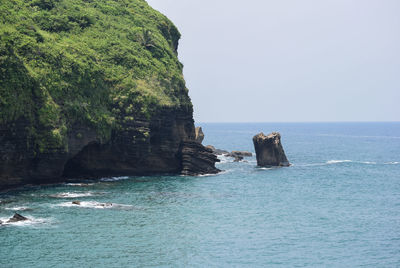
<point>288,122</point>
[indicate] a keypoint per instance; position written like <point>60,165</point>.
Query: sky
<point>289,60</point>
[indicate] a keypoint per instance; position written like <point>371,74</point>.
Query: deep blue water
<point>337,206</point>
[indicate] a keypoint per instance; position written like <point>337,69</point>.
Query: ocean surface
<point>338,205</point>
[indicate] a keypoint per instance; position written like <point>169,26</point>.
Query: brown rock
<point>217,151</point>
<point>76,203</point>
<point>239,155</point>
<point>242,153</point>
<point>197,159</point>
<point>269,150</point>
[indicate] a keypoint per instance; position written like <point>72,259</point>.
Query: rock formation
<point>110,106</point>
<point>199,135</point>
<point>217,151</point>
<point>197,159</point>
<point>17,217</point>
<point>239,155</point>
<point>242,153</point>
<point>269,151</point>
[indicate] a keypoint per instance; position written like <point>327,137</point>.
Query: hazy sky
<point>289,60</point>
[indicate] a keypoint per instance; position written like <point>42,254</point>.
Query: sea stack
<point>199,134</point>
<point>269,150</point>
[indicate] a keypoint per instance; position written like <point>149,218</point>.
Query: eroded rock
<point>217,151</point>
<point>238,155</point>
<point>199,134</point>
<point>242,153</point>
<point>17,217</point>
<point>269,150</point>
<point>197,159</point>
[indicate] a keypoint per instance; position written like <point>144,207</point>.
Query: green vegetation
<point>95,62</point>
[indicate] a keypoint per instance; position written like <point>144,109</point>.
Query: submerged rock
<point>17,217</point>
<point>76,202</point>
<point>197,159</point>
<point>199,134</point>
<point>269,150</point>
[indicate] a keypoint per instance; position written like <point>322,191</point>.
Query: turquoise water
<point>337,206</point>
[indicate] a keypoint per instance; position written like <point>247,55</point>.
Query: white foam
<point>392,163</point>
<point>79,184</point>
<point>332,162</point>
<point>95,204</point>
<point>114,179</point>
<point>18,208</point>
<point>367,163</point>
<point>266,168</point>
<point>72,195</point>
<point>31,221</point>
<point>350,161</point>
<point>223,159</point>
<point>213,174</point>
<point>337,161</point>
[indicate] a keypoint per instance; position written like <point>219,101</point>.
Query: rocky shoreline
<point>166,144</point>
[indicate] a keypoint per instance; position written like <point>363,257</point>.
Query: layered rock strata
<point>164,145</point>
<point>197,159</point>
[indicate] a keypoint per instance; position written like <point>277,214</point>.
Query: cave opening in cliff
<point>84,163</point>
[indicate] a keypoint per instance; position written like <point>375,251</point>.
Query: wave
<point>337,161</point>
<point>31,221</point>
<point>18,208</point>
<point>333,162</point>
<point>266,168</point>
<point>212,174</point>
<point>223,159</point>
<point>79,184</point>
<point>114,179</point>
<point>72,195</point>
<point>351,161</point>
<point>95,204</point>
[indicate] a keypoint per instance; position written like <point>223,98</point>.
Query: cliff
<point>92,89</point>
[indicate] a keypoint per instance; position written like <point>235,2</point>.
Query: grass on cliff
<point>91,62</point>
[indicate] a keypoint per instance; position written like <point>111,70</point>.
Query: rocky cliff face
<point>163,145</point>
<point>92,89</point>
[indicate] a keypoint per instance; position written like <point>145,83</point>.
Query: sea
<point>337,205</point>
